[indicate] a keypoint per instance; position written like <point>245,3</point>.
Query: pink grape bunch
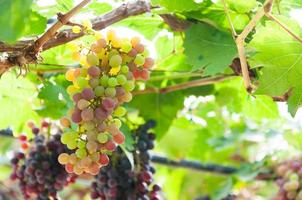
<point>99,89</point>
<point>289,180</point>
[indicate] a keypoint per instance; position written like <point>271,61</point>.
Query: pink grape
<point>100,114</point>
<point>76,116</point>
<point>77,97</point>
<point>88,94</point>
<point>108,104</point>
<point>82,104</point>
<point>132,53</point>
<point>139,48</point>
<point>87,114</point>
<point>102,127</point>
<point>94,71</point>
<point>149,62</point>
<point>112,129</point>
<point>110,145</point>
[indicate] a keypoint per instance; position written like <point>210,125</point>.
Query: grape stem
<point>191,164</point>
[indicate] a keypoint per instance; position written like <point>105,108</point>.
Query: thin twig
<point>196,165</point>
<point>62,19</point>
<point>181,86</point>
<point>273,18</point>
<point>226,10</point>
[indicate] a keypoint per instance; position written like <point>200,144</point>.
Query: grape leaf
<point>224,190</point>
<point>281,58</point>
<point>16,100</point>
<point>64,5</point>
<point>160,107</point>
<point>242,6</point>
<point>36,25</point>
<point>179,5</point>
<point>14,16</point>
<point>98,7</point>
<point>208,48</point>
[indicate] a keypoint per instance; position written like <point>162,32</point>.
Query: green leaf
<point>147,25</point>
<point>98,8</point>
<point>242,6</point>
<point>178,5</point>
<point>64,5</point>
<point>205,47</point>
<point>129,139</point>
<point>295,100</point>
<point>215,16</point>
<point>16,100</point>
<point>36,25</point>
<point>55,100</point>
<point>224,191</point>
<point>280,56</point>
<point>160,107</point>
<point>260,107</point>
<point>14,16</point>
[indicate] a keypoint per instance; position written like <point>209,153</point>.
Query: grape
<point>132,53</point>
<point>108,104</point>
<point>81,144</point>
<point>117,122</point>
<point>94,71</point>
<point>145,75</point>
<point>102,137</point>
<point>104,80</point>
<point>139,48</point>
<point>127,97</point>
<point>112,82</point>
<point>87,94</point>
<point>65,122</point>
<point>110,92</point>
<point>92,59</point>
<point>81,82</point>
<point>129,86</point>
<point>115,61</point>
<point>91,146</point>
<point>87,114</point>
<point>120,111</point>
<point>102,43</point>
<point>76,29</point>
<point>124,69</point>
<point>100,114</point>
<point>71,144</point>
<point>82,104</point>
<point>99,91</point>
<point>38,170</point>
<point>70,75</point>
<point>94,82</point>
<point>121,79</point>
<point>104,159</point>
<point>76,116</point>
<point>148,63</point>
<point>76,97</point>
<point>81,153</point>
<point>135,41</point>
<point>63,158</point>
<point>126,46</point>
<point>110,145</point>
<point>139,60</point>
<point>119,138</point>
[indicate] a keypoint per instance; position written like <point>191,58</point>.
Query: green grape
<point>115,61</point>
<point>110,92</point>
<point>126,46</point>
<point>113,52</point>
<point>94,82</point>
<point>88,126</point>
<point>84,72</point>
<point>145,53</point>
<point>66,137</point>
<point>72,144</point>
<point>121,79</point>
<point>139,60</point>
<point>102,137</point>
<point>117,122</point>
<point>81,144</point>
<point>104,80</point>
<point>82,104</point>
<point>120,111</point>
<point>81,82</point>
<point>91,135</point>
<point>129,86</point>
<point>99,91</point>
<point>125,69</point>
<point>112,82</point>
<point>92,59</point>
<point>81,153</point>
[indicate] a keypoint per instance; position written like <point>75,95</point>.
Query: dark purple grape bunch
<point>121,181</point>
<point>37,170</point>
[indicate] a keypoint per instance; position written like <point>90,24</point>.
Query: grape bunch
<point>120,181</point>
<point>36,168</point>
<point>289,180</point>
<point>100,87</point>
